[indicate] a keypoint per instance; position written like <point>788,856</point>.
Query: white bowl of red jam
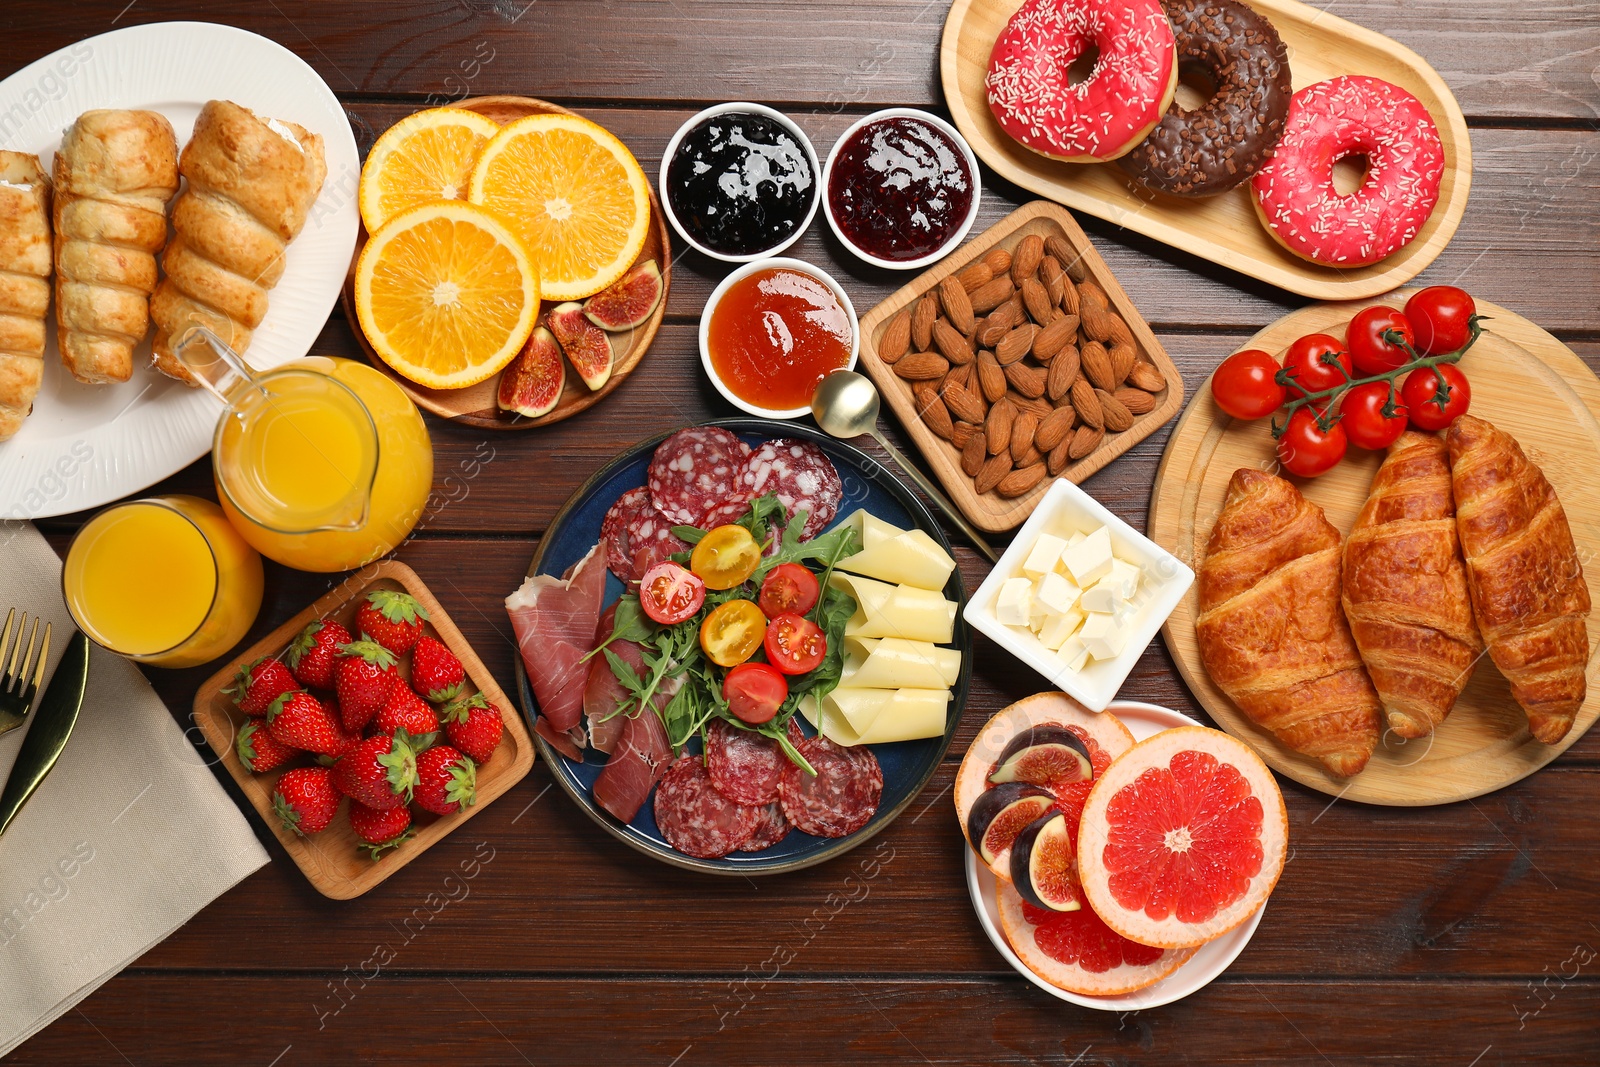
<point>901,188</point>
<point>772,331</point>
<point>739,182</point>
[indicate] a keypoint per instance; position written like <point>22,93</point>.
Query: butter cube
<point>1123,579</point>
<point>1044,555</point>
<point>1101,598</point>
<point>1090,559</point>
<point>1011,607</point>
<point>1104,636</point>
<point>1077,535</point>
<point>1075,654</point>
<point>1055,595</point>
<point>1058,628</point>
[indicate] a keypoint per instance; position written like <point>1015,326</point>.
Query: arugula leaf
<point>630,624</point>
<point>826,549</point>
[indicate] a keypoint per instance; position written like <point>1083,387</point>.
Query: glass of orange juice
<point>321,464</point>
<point>165,581</point>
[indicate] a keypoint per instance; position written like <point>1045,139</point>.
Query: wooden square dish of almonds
<point>1016,360</point>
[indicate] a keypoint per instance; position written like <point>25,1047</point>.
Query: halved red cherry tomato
<point>1245,385</point>
<point>1364,421</point>
<point>1441,318</point>
<point>1372,351</point>
<point>1421,394</point>
<point>732,632</point>
<point>789,588</point>
<point>725,557</point>
<point>755,692</point>
<point>795,644</point>
<point>1308,450</point>
<point>1311,362</point>
<point>669,594</point>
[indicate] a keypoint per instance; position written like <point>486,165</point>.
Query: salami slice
<point>614,530</point>
<point>772,826</point>
<point>651,540</point>
<point>696,819</point>
<point>694,469</point>
<point>744,765</point>
<point>724,512</point>
<point>840,798</point>
<point>801,475</point>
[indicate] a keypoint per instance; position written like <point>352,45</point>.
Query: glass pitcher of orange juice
<point>321,464</point>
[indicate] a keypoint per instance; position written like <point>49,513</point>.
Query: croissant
<point>1270,631</point>
<point>251,183</point>
<point>1523,572</point>
<point>114,174</point>
<point>24,284</point>
<point>1405,588</point>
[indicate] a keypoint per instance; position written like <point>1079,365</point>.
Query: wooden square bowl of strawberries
<point>364,729</point>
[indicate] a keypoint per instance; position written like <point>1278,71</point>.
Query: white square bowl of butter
<point>1079,595</point>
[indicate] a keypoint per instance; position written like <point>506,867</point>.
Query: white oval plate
<point>1143,720</point>
<point>86,445</point>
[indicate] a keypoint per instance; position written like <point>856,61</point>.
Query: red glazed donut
<point>1103,116</point>
<point>1344,116</point>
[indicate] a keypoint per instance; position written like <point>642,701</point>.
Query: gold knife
<point>53,721</point>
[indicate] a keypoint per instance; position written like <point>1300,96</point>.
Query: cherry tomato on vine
<point>732,632</point>
<point>1421,390</point>
<point>725,557</point>
<point>669,594</point>
<point>1441,318</point>
<point>1364,422</point>
<point>754,692</point>
<point>1245,385</point>
<point>789,587</point>
<point>1373,353</point>
<point>1308,450</point>
<point>1311,361</point>
<point>795,644</point>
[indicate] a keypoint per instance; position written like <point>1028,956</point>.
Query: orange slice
<point>573,192</point>
<point>446,294</point>
<point>423,157</point>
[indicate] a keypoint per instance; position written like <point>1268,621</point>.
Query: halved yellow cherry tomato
<point>725,557</point>
<point>732,632</point>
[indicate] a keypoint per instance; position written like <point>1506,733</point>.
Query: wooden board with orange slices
<point>445,147</point>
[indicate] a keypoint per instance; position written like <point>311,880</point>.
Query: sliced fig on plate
<point>628,303</point>
<point>1044,866</point>
<point>1049,756</point>
<point>587,346</point>
<point>1001,813</point>
<point>531,384</point>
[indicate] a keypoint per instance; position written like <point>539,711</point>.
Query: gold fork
<point>17,689</point>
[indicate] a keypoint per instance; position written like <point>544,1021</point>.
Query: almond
<point>1096,319</point>
<point>1020,480</point>
<point>951,344</point>
<point>896,339</point>
<point>934,414</point>
<point>959,375</point>
<point>1052,277</point>
<point>1071,261</point>
<point>1123,357</point>
<point>1090,290</point>
<point>997,426</point>
<point>1036,404</point>
<point>1085,440</point>
<point>1136,401</point>
<point>1057,460</point>
<point>1022,431</point>
<point>1086,403</point>
<point>963,434</point>
<point>1001,321</point>
<point>1025,260</point>
<point>964,404</point>
<point>1054,337</point>
<point>922,317</point>
<point>956,305</point>
<point>1055,428</point>
<point>1120,333</point>
<point>998,260</point>
<point>975,275</point>
<point>1025,379</point>
<point>1070,300</point>
<point>991,295</point>
<point>922,366</point>
<point>990,474</point>
<point>974,455</point>
<point>1063,372</point>
<point>1117,417</point>
<point>1145,376</point>
<point>1097,367</point>
<point>1036,300</point>
<point>1014,345</point>
<point>991,379</point>
<point>1030,456</point>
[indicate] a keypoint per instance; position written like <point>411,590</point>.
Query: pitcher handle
<point>221,374</point>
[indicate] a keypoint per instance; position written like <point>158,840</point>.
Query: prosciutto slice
<point>554,620</point>
<point>603,693</point>
<point>634,768</point>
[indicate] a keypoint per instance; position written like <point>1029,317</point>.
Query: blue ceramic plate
<point>907,765</point>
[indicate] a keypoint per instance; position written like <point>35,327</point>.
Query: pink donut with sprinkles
<point>1346,116</point>
<point>1103,116</point>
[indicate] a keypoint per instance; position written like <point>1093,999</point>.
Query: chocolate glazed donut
<point>1212,149</point>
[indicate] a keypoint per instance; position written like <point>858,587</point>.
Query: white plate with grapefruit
<point>1119,928</point>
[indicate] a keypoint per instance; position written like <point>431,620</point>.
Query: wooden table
<point>1458,935</point>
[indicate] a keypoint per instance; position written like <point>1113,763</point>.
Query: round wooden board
<point>1525,382</point>
<point>475,405</point>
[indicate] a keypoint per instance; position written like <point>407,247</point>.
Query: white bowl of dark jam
<point>901,188</point>
<point>740,182</point>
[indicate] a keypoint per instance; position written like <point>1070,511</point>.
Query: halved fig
<point>1001,813</point>
<point>629,302</point>
<point>1048,756</point>
<point>531,384</point>
<point>1044,866</point>
<point>586,345</point>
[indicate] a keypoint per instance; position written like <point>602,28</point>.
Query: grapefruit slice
<point>1102,734</point>
<point>1078,952</point>
<point>1182,839</point>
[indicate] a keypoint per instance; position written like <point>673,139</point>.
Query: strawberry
<point>381,771</point>
<point>380,828</point>
<point>404,710</point>
<point>447,781</point>
<point>391,618</point>
<point>300,720</point>
<point>305,800</point>
<point>311,654</point>
<point>258,750</point>
<point>259,684</point>
<point>363,675</point>
<point>474,726</point>
<point>435,671</point>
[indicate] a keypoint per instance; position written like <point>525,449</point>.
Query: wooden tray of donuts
<point>1223,228</point>
<point>1016,360</point>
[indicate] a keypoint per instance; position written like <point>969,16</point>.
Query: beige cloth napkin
<point>129,836</point>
